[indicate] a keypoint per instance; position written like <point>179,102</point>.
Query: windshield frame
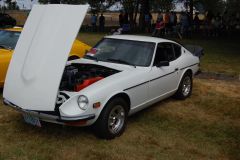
<point>149,63</point>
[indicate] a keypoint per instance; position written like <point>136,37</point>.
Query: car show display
<point>119,76</point>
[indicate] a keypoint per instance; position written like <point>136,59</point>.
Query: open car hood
<point>39,59</point>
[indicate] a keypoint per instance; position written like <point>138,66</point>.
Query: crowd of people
<point>181,24</point>
<point>217,25</point>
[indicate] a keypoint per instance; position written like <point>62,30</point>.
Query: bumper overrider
<point>52,116</point>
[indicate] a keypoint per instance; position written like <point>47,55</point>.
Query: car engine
<point>78,76</point>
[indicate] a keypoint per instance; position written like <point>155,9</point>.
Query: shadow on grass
<point>56,131</point>
<point>135,117</point>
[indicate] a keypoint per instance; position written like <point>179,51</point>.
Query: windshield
<point>128,52</point>
<point>9,38</point>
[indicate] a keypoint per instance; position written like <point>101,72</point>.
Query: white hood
<point>39,59</point>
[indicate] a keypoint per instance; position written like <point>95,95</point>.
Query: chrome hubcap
<point>186,86</point>
<point>116,119</point>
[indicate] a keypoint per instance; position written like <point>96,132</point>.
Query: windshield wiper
<point>120,61</point>
<point>5,47</point>
<point>91,57</point>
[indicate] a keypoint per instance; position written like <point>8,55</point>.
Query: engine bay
<point>78,76</point>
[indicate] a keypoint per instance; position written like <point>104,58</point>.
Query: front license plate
<point>31,120</point>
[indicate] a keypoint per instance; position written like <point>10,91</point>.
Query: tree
<point>213,6</point>
<point>96,5</point>
<point>131,7</point>
<point>162,5</point>
<point>232,6</point>
<point>63,1</point>
<point>156,5</point>
<point>11,5</point>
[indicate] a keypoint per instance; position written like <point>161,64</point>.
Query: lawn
<point>221,55</point>
<point>204,126</point>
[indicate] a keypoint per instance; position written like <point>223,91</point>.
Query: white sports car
<point>121,75</point>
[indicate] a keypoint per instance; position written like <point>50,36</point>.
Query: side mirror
<point>163,63</point>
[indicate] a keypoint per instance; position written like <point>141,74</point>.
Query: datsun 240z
<point>118,77</point>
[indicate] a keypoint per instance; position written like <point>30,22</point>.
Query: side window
<point>164,53</point>
<point>177,50</point>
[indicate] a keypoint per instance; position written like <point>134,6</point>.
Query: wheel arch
<point>123,95</point>
<point>73,57</point>
<point>189,70</point>
<point>185,71</point>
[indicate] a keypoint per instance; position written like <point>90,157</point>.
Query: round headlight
<point>82,102</point>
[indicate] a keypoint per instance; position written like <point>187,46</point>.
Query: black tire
<point>72,58</point>
<point>181,94</point>
<point>101,126</point>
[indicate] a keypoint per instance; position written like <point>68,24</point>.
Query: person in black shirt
<point>121,19</point>
<point>101,23</point>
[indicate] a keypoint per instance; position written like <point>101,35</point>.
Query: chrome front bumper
<point>50,117</point>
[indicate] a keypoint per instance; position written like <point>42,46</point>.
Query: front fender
<point>70,107</point>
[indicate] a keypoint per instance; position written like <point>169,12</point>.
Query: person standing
<point>172,21</point>
<point>126,25</point>
<point>237,21</point>
<point>159,28</point>
<point>121,19</point>
<point>167,21</point>
<point>101,23</point>
<point>94,22</point>
<point>208,23</point>
<point>184,21</point>
<point>196,22</point>
<point>159,16</point>
<point>147,19</point>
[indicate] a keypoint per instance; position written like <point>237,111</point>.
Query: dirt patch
<point>217,76</point>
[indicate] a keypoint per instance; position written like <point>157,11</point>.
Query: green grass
<point>90,38</point>
<point>204,126</point>
<point>221,55</point>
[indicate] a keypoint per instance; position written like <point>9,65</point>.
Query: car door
<point>163,80</point>
<point>177,62</point>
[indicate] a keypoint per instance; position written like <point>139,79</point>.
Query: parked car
<point>8,41</point>
<point>7,20</point>
<point>120,76</point>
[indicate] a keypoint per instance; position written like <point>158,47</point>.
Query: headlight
<point>82,102</point>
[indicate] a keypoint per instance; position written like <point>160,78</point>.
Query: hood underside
<point>39,59</point>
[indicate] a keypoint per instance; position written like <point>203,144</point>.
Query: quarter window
<point>164,53</point>
<point>177,50</point>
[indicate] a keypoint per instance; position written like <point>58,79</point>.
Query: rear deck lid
<point>37,65</point>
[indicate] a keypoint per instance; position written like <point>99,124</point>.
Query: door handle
<point>176,69</point>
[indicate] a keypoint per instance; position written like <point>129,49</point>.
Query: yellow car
<point>8,41</point>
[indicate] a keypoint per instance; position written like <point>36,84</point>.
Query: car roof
<point>140,38</point>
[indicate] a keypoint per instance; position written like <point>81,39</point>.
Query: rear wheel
<point>112,121</point>
<point>185,87</point>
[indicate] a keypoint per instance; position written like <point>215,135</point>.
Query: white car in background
<point>121,75</point>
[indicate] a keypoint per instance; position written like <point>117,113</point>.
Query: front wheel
<point>112,121</point>
<point>185,87</point>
